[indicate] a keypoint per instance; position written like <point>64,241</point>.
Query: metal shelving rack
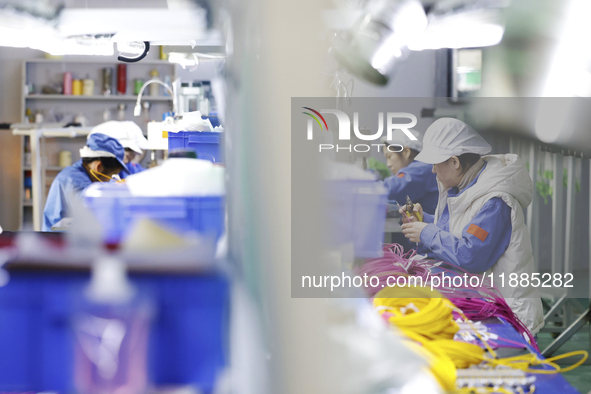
<point>95,97</point>
<point>46,140</point>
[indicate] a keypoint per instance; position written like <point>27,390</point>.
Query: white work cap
<point>400,138</point>
<point>135,133</point>
<point>127,133</point>
<point>447,137</point>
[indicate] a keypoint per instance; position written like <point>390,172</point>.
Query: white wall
<point>414,78</point>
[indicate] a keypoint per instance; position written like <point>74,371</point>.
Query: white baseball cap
<point>447,137</point>
<point>127,133</point>
<point>400,138</point>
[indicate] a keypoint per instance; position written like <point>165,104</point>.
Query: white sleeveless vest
<point>506,177</point>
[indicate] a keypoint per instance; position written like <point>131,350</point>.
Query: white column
<point>37,179</point>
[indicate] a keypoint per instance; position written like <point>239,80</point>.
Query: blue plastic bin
<point>213,118</point>
<point>117,210</point>
<point>188,342</point>
<point>207,144</point>
<point>356,213</point>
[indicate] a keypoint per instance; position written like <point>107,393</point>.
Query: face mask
<point>96,174</point>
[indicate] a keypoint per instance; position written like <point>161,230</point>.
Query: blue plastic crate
<point>188,340</point>
<point>207,144</point>
<point>117,210</point>
<point>213,118</point>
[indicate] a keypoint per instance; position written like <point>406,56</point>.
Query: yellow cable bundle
<point>440,365</point>
<point>418,309</point>
<point>425,316</point>
<point>462,354</point>
<point>525,361</point>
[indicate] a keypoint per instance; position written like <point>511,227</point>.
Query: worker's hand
<point>417,209</point>
<point>412,231</point>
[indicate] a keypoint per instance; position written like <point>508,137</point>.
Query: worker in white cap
<point>478,224</point>
<point>409,177</point>
<point>101,158</point>
<point>131,137</point>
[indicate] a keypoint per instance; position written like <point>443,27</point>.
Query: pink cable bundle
<point>477,303</point>
<point>394,262</point>
<point>484,302</point>
<point>479,309</point>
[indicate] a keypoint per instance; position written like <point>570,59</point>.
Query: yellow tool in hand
<point>410,210</point>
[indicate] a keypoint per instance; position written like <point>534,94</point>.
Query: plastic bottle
<point>107,81</point>
<point>137,85</point>
<point>111,327</point>
<point>77,87</point>
<point>121,108</point>
<point>88,87</point>
<point>68,83</point>
<point>121,78</point>
<point>155,87</point>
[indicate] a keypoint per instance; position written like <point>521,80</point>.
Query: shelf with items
<point>95,97</point>
<point>94,61</point>
<point>41,163</point>
<point>45,80</point>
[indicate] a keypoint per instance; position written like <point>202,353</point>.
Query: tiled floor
<point>580,377</point>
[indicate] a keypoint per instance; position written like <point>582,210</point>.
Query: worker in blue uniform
<point>131,137</point>
<point>102,157</point>
<point>479,224</point>
<point>133,168</point>
<point>409,177</point>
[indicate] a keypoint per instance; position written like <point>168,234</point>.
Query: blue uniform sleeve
<point>70,184</point>
<point>428,218</point>
<point>133,169</point>
<point>483,240</point>
<point>402,185</point>
<point>55,206</point>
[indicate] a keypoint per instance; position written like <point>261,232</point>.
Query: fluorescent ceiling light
<point>131,24</point>
<point>467,30</point>
<point>382,38</point>
<point>94,31</point>
<point>570,61</point>
<point>47,41</point>
<point>554,119</point>
<point>379,40</point>
<point>567,75</point>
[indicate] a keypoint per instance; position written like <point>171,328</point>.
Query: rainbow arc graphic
<point>315,118</point>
